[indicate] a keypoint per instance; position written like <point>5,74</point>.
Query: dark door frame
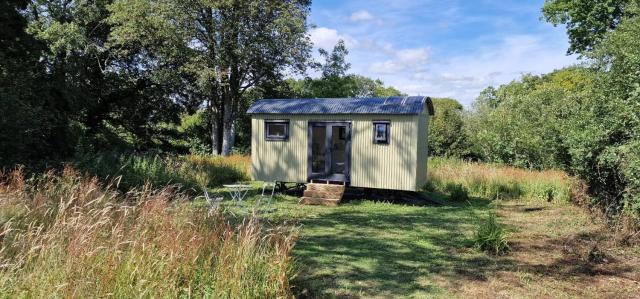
<point>327,175</point>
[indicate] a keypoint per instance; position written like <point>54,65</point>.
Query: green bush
<point>457,192</point>
<point>429,186</point>
<point>491,236</point>
<point>447,136</point>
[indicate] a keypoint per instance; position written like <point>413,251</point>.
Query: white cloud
<point>417,72</point>
<point>326,38</point>
<point>403,60</point>
<point>433,55</point>
<point>361,15</point>
<point>463,77</point>
<point>456,77</point>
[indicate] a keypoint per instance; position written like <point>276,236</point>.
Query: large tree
<point>104,95</point>
<point>220,48</point>
<point>587,21</point>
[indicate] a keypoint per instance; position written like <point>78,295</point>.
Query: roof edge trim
<point>430,108</point>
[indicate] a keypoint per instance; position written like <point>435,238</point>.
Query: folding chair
<point>213,202</point>
<point>273,190</point>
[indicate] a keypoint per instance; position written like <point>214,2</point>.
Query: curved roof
<point>388,105</point>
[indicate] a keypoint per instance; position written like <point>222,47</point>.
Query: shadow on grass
<point>396,197</point>
<point>378,248</point>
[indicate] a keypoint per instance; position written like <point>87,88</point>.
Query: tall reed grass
<point>69,236</point>
<point>500,182</point>
<point>187,172</point>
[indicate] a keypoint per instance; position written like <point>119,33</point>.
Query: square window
<point>381,132</point>
<point>276,130</point>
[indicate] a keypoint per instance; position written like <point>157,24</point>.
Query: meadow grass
<point>69,236</point>
<point>500,182</point>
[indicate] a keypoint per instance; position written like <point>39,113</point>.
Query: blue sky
<point>442,48</point>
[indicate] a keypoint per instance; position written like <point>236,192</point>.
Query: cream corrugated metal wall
<point>423,148</point>
<point>399,165</point>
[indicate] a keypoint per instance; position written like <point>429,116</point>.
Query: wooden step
<point>322,194</point>
<point>325,187</point>
<point>319,201</point>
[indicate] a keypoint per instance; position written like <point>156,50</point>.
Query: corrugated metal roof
<point>389,105</point>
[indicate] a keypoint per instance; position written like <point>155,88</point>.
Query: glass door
<point>318,149</point>
<point>329,151</point>
<point>338,149</point>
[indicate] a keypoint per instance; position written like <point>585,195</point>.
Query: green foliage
<point>491,237</point>
<point>33,123</point>
<point>336,64</point>
<point>66,89</point>
<point>218,50</point>
<point>525,123</point>
<point>447,136</point>
<point>338,87</point>
<point>600,134</point>
<point>193,133</point>
<point>582,119</point>
<point>617,136</point>
<point>187,172</point>
<point>587,21</point>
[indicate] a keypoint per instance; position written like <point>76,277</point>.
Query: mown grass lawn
<point>372,249</point>
<point>383,249</point>
<point>379,249</point>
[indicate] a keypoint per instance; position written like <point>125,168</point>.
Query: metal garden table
<point>238,191</point>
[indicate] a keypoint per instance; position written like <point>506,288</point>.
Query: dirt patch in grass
<point>558,250</point>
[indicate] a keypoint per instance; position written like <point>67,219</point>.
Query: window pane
<point>276,130</point>
<point>381,131</point>
<point>318,149</point>
<point>338,150</point>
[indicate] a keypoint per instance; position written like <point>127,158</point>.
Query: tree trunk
<point>214,119</point>
<point>227,129</point>
<point>227,139</point>
<point>232,141</point>
<point>220,134</point>
<point>214,135</point>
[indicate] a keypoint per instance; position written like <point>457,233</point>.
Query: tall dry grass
<point>501,182</point>
<point>69,236</point>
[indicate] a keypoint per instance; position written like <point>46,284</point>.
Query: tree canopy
<point>587,21</point>
<point>219,49</point>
